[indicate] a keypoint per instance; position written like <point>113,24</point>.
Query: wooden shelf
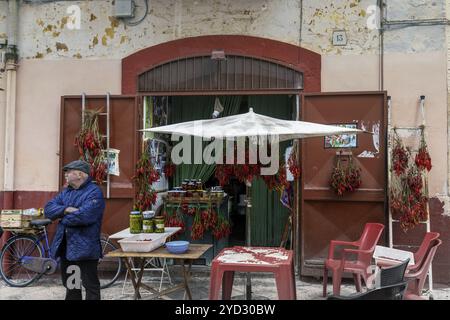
<point>193,199</point>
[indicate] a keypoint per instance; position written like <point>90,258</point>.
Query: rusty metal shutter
<point>205,74</point>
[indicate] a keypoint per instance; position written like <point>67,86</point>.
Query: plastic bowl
<point>177,246</point>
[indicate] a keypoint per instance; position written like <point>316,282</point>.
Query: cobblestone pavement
<point>263,287</point>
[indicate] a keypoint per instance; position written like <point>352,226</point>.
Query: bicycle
<point>26,257</point>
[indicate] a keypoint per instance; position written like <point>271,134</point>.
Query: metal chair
<point>151,265</point>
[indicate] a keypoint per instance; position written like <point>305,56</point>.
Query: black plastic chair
<point>391,292</point>
<point>391,285</point>
<point>393,275</point>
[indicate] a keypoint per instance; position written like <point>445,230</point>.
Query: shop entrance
<point>269,216</point>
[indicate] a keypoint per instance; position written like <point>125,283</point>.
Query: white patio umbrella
<point>251,124</point>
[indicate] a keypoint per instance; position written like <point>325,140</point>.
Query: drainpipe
<point>10,110</point>
<point>382,6</point>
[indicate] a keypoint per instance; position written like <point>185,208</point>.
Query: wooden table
<point>195,252</point>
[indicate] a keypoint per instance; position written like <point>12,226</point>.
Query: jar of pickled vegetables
<point>147,221</point>
<point>159,224</point>
<point>135,222</point>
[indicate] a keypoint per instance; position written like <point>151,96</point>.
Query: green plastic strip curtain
<point>269,216</point>
<point>188,108</point>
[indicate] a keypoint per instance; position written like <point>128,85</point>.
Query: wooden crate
<point>14,219</point>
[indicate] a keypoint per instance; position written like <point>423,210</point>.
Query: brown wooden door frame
<point>122,120</point>
<point>375,197</point>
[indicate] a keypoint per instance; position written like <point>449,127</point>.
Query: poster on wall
<point>342,140</point>
<point>112,157</point>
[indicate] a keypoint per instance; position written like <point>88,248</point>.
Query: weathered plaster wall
<point>41,85</point>
<point>415,63</point>
<point>321,18</point>
<point>350,72</point>
<point>45,36</point>
<point>44,32</point>
<point>3,11</point>
<point>406,78</point>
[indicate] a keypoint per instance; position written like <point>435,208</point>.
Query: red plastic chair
<point>419,254</point>
<point>365,247</point>
<point>416,278</point>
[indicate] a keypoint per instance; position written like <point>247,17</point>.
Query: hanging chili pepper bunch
<point>243,172</point>
<point>353,176</point>
<point>189,210</point>
<point>423,159</point>
<point>222,228</point>
<point>143,179</point>
<point>414,208</point>
<point>172,218</point>
<point>345,178</point>
<point>247,172</point>
<point>90,147</point>
<point>408,194</point>
<point>198,228</point>
<point>169,169</point>
<point>293,165</point>
<point>207,219</point>
<point>400,156</point>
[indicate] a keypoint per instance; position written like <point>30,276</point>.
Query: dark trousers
<point>86,271</point>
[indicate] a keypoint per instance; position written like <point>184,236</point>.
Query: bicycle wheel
<point>11,268</point>
<point>108,268</point>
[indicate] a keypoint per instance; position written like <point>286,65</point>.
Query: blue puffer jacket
<point>82,227</point>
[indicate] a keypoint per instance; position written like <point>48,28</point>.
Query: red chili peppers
<point>345,179</point>
<point>169,169</point>
<point>400,157</point>
<point>246,172</point>
<point>204,220</point>
<point>90,147</point>
<point>143,179</point>
<point>423,159</point>
<point>408,196</point>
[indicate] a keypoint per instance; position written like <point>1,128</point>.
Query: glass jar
<point>147,221</point>
<point>159,224</point>
<point>135,222</point>
<point>199,184</point>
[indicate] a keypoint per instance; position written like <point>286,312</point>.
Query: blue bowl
<point>177,246</point>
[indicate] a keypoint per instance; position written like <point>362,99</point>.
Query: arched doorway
<point>291,56</point>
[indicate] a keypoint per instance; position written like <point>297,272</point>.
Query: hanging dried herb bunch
<point>345,177</point>
<point>90,146</point>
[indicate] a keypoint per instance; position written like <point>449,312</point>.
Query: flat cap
<point>78,165</point>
